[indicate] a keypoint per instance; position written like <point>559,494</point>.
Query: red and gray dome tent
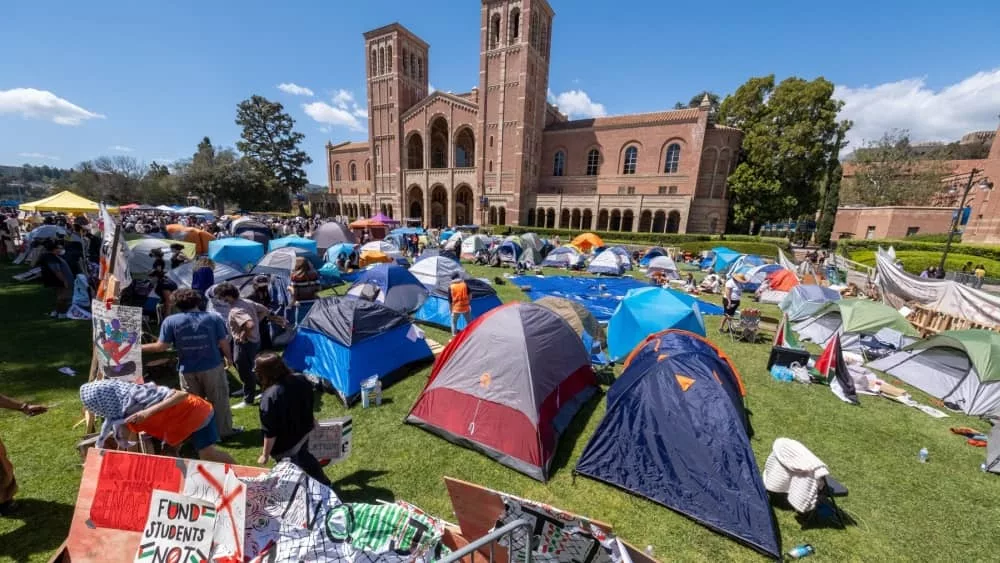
<point>508,386</point>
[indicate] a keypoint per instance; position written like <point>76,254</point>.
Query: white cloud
<point>121,148</point>
<point>294,89</point>
<point>341,98</point>
<point>324,113</point>
<point>431,89</point>
<point>576,103</point>
<point>37,155</point>
<point>42,104</point>
<point>359,112</point>
<point>971,104</point>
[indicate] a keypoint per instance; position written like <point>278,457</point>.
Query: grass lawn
<point>945,510</point>
<point>915,261</point>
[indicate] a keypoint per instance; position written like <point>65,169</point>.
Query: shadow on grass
<point>356,488</point>
<point>568,439</point>
<point>36,515</point>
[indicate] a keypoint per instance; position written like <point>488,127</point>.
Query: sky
<point>150,78</point>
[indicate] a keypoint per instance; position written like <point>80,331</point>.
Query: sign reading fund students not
<point>178,530</point>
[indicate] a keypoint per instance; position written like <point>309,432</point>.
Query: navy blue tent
<point>676,432</point>
<point>345,341</point>
<point>397,288</point>
<point>652,253</point>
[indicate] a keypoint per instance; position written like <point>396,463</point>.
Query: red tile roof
<point>349,147</point>
<point>636,119</point>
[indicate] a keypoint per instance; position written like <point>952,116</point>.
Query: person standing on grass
<point>460,304</point>
<point>166,414</point>
<point>731,294</point>
<point>980,275</point>
<point>202,345</point>
<point>286,416</point>
<point>202,278</point>
<point>8,484</point>
<point>57,275</point>
<point>244,318</point>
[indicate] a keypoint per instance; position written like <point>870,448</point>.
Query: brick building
<point>897,221</point>
<point>502,155</point>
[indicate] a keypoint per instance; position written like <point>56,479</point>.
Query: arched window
<point>354,172</point>
<point>514,25</point>
<point>368,170</point>
<point>495,31</point>
<point>439,143</point>
<point>413,65</point>
<point>406,63</point>
<point>415,152</point>
<point>559,163</point>
<point>550,218</point>
<point>616,221</point>
<point>543,43</point>
<point>593,162</point>
<point>673,159</point>
<point>378,160</point>
<point>659,222</point>
<point>574,221</point>
<point>381,60</point>
<point>502,216</point>
<point>564,219</point>
<point>336,172</point>
<point>374,62</point>
<point>388,60</point>
<point>631,159</point>
<point>627,218</point>
<point>465,149</point>
<point>588,217</point>
<point>535,24</point>
<point>420,68</point>
<point>531,216</point>
<point>674,222</point>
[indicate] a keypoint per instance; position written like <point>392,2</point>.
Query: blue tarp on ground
<point>599,295</point>
<point>679,386</point>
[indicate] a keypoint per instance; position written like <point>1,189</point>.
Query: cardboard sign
<point>217,485</point>
<point>178,530</point>
<point>117,333</point>
<point>331,439</point>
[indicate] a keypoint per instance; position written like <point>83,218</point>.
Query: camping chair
<point>802,481</point>
<point>747,326</point>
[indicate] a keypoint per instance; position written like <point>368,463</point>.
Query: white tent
<point>607,263</point>
<point>195,210</point>
<point>382,246</point>
<point>666,266</point>
<point>473,244</point>
<point>166,208</point>
<point>434,270</point>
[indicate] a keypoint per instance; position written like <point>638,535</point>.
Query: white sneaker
<point>241,405</point>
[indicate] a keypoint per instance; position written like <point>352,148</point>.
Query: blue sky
<point>151,78</point>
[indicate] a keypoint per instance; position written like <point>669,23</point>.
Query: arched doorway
<point>659,222</point>
<point>575,219</point>
<point>439,143</point>
<point>602,220</point>
<point>415,205</point>
<point>616,221</point>
<point>540,217</point>
<point>439,206</point>
<point>674,222</point>
<point>493,215</point>
<point>463,205</point>
<point>502,216</point>
<point>645,221</point>
<point>531,216</point>
<point>564,219</point>
<point>415,152</point>
<point>588,218</point>
<point>628,218</point>
<point>550,218</point>
<point>465,148</point>
<point>390,211</point>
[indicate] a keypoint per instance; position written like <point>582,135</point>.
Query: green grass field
<point>945,510</point>
<point>915,261</point>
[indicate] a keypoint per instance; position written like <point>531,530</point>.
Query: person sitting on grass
<point>286,415</point>
<point>169,415</point>
<point>711,283</point>
<point>8,484</point>
<point>689,285</point>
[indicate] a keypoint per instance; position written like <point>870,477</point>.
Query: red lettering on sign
<point>125,485</point>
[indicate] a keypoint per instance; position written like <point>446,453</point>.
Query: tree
<point>889,171</point>
<point>218,176</point>
<point>270,142</point>
<point>790,137</point>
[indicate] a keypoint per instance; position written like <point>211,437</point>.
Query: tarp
<point>398,289</point>
<point>195,210</point>
<point>239,253</point>
<point>294,240</point>
<point>331,233</point>
<point>676,432</point>
<point>508,386</point>
<point>587,242</point>
<point>785,262</point>
<point>960,367</point>
<point>648,311</point>
<point>607,263</point>
<point>564,257</point>
<point>67,202</point>
<point>899,288</point>
<point>384,219</point>
<point>653,253</point>
<point>803,301</point>
<point>370,257</point>
<point>385,247</point>
<point>724,258</point>
<point>342,249</point>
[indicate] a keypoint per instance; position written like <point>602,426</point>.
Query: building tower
<point>515,37</point>
<point>397,67</point>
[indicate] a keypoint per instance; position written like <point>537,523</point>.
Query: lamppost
<point>985,185</point>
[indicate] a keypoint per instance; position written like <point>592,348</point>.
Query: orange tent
<point>366,223</point>
<point>782,280</point>
<point>369,257</point>
<point>198,237</point>
<point>587,241</point>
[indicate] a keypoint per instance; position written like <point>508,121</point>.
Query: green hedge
<point>759,248</point>
<point>916,261</point>
<point>934,237</point>
<point>661,239</point>
<point>851,246</point>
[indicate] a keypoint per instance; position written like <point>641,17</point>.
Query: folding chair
<point>747,326</point>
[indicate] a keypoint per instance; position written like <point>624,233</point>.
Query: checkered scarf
<point>115,401</point>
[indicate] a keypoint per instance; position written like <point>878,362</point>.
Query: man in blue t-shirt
<point>202,343</point>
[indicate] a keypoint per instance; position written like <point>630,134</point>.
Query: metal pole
<point>958,217</point>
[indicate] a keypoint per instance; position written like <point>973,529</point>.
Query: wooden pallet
<point>930,321</point>
<point>436,347</point>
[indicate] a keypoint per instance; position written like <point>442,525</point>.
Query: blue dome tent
<point>293,241</point>
<point>343,249</point>
<point>677,384</point>
<point>237,252</point>
<point>436,310</point>
<point>649,310</point>
<point>744,265</point>
<point>342,342</point>
<point>564,257</point>
<point>398,289</point>
<point>509,251</point>
<point>652,253</point>
<point>706,260</point>
<point>724,258</point>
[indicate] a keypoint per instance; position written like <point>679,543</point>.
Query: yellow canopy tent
<point>67,202</point>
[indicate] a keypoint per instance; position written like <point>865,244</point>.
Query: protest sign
<point>178,530</point>
<point>331,439</point>
<point>117,330</point>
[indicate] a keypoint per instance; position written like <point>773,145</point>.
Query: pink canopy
<point>384,219</point>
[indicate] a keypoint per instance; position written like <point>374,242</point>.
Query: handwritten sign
<point>124,486</point>
<point>117,331</point>
<point>178,530</point>
<point>331,439</point>
<point>216,484</point>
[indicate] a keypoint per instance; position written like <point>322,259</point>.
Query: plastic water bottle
<point>801,551</point>
<point>922,456</point>
<point>649,551</point>
<point>378,392</point>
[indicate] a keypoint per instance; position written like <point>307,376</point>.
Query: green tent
<point>852,318</point>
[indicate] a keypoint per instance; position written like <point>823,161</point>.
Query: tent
<point>140,262</point>
<point>165,208</point>
<point>195,210</point>
<point>607,263</point>
<point>345,341</point>
<point>707,259</point>
<point>342,249</point>
<point>583,323</point>
<point>329,234</point>
<point>509,252</point>
<point>803,301</point>
<point>676,432</point>
<point>295,241</point>
<point>782,280</point>
<point>128,207</point>
<point>665,265</point>
<point>383,246</point>
<point>851,319</point>
<point>587,242</point>
<point>453,243</point>
<point>653,253</point>
<point>200,238</point>
<point>42,232</point>
<point>745,264</point>
<point>261,232</point>
<point>473,244</point>
<point>398,289</point>
<point>649,310</point>
<point>624,255</point>
<point>282,261</point>
<point>239,253</point>
<point>960,367</point>
<point>435,274</point>
<point>757,275</point>
<point>67,202</point>
<point>370,257</point>
<point>564,257</point>
<point>508,386</point>
<point>183,274</point>
<point>724,259</point>
<point>436,270</point>
<point>531,240</point>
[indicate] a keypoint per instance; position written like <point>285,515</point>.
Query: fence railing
<point>491,539</point>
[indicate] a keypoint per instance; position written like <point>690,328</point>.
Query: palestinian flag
<point>784,336</point>
<point>832,367</point>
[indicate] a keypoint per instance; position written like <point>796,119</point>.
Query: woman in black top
<point>286,415</point>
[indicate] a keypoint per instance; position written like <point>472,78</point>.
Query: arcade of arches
<point>649,221</point>
<point>442,210</point>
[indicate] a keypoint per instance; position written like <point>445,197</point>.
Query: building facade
<point>502,155</point>
<point>897,221</point>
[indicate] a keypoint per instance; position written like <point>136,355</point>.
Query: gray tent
<point>804,300</point>
<point>183,274</point>
<point>329,234</point>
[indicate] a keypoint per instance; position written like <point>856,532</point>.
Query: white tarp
<point>785,262</point>
<point>899,288</point>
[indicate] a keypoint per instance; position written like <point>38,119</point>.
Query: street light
<point>985,185</point>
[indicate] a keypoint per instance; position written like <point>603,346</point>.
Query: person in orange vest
<point>460,306</point>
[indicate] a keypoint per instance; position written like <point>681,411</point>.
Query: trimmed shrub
<point>916,261</point>
<point>660,239</point>
<point>851,246</point>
